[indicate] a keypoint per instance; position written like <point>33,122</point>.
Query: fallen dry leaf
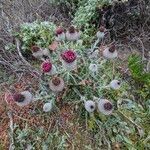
<point>53,46</point>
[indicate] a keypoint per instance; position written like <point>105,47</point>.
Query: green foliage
<point>87,11</point>
<point>39,139</point>
<point>39,33</point>
<point>136,68</point>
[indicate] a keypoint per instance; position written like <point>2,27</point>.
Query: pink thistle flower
<point>48,68</point>
<point>69,58</point>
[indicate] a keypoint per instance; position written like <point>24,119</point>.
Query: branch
<point>10,115</point>
<point>31,68</point>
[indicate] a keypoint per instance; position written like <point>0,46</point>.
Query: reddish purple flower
<point>59,30</point>
<point>69,56</point>
<point>46,66</point>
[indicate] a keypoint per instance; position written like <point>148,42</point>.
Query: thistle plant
<point>86,76</point>
<point>75,67</point>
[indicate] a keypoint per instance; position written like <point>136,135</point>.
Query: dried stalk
<point>10,115</point>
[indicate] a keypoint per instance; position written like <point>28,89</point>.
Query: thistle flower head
<point>72,29</point>
<point>18,97</point>
<point>69,56</point>
<point>47,107</point>
<point>46,66</point>
<point>115,84</point>
<point>105,106</point>
<point>89,106</point>
<point>72,34</point>
<point>110,52</point>
<point>23,98</point>
<point>56,84</point>
<point>59,30</point>
<point>93,67</point>
<point>56,81</point>
<point>94,54</point>
<point>102,29</point>
<point>112,48</point>
<point>101,33</point>
<point>60,34</point>
<point>35,48</point>
<point>108,106</point>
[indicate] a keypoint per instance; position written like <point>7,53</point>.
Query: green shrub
<point>87,11</point>
<point>39,33</point>
<point>136,68</point>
